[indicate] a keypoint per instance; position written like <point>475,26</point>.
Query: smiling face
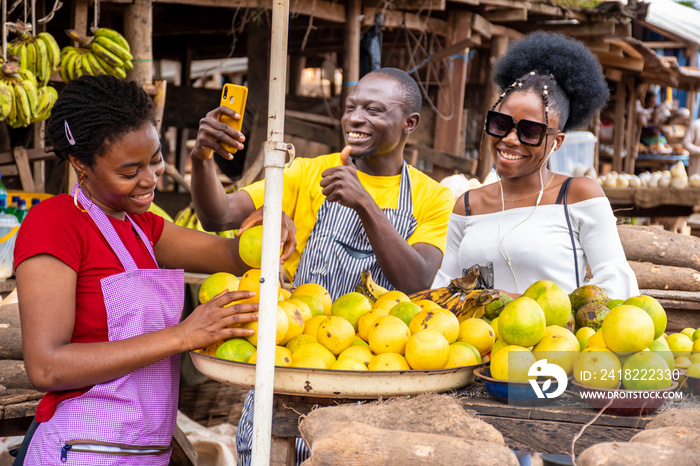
<point>374,122</point>
<point>124,178</point>
<point>512,158</point>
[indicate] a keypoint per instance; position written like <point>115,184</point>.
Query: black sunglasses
<point>530,133</point>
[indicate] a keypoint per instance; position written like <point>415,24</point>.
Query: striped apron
<point>335,255</point>
<point>129,420</point>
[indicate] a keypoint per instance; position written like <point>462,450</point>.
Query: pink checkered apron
<point>137,411</point>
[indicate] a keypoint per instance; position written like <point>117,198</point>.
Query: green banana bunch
<point>107,52</point>
<point>38,54</point>
<point>19,97</point>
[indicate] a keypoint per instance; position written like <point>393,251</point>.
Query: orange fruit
<point>303,308</point>
<point>349,364</point>
<point>318,292</point>
<point>312,325</point>
<point>627,329</point>
<point>362,353</point>
<point>478,333</point>
<point>655,311</point>
<point>432,319</point>
<point>215,284</point>
<point>295,321</point>
<point>314,305</point>
<point>388,362</point>
<point>428,350</point>
<point>512,363</point>
<point>335,333</point>
<point>460,356</point>
<point>235,349</point>
<point>282,327</point>
<point>391,299</point>
<point>315,350</point>
<point>388,334</point>
<point>365,323</point>
<point>299,341</point>
<point>405,311</point>
<point>250,246</point>
<point>522,322</point>
<point>351,306</point>
<point>598,367</point>
<point>552,299</point>
<point>283,357</point>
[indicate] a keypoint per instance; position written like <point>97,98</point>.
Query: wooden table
<point>659,161</point>
<point>17,409</point>
<point>653,202</point>
<point>548,429</point>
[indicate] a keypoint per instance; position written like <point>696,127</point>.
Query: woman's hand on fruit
<point>211,322</point>
<point>212,133</point>
<point>288,233</point>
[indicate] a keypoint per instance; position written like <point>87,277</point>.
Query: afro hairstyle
<point>573,66</point>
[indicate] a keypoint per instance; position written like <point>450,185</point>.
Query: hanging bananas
<point>21,102</point>
<point>40,55</point>
<point>107,52</point>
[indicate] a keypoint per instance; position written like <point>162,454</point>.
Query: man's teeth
<point>511,156</point>
<point>353,135</point>
<point>143,196</point>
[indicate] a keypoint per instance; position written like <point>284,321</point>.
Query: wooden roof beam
<point>589,30</point>
<point>398,19</point>
<point>420,5</point>
<point>666,44</point>
<point>506,15</point>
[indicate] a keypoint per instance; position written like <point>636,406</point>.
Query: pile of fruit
<point>617,343</point>
<point>25,97</point>
<point>676,177</point>
<point>106,52</point>
<point>374,329</point>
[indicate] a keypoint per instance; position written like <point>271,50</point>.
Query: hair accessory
<point>81,177</point>
<point>69,135</point>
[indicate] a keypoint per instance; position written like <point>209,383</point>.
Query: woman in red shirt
<point>100,287</point>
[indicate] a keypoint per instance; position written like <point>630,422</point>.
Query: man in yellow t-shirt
<point>362,209</point>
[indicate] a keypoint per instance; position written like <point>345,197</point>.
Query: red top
<point>56,227</point>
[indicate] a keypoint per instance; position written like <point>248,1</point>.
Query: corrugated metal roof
<point>679,20</point>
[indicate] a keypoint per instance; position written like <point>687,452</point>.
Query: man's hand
<point>212,133</point>
<point>288,237</point>
<point>341,184</point>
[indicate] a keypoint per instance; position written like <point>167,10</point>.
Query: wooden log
<point>676,417</point>
<point>639,454</point>
<point>665,277</point>
<point>10,332</point>
<point>649,244</point>
<point>13,374</point>
<point>358,443</point>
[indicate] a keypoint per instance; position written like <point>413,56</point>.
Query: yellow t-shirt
<point>302,198</point>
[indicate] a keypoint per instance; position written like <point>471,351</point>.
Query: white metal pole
<point>272,214</point>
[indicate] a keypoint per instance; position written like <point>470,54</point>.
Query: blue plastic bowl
<point>514,393</point>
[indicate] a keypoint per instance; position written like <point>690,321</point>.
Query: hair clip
<point>69,135</point>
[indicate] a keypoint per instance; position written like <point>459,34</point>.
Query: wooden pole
<point>138,31</point>
<point>498,48</point>
<point>351,56</point>
<point>275,154</point>
<point>631,130</point>
<point>448,132</point>
<point>619,126</point>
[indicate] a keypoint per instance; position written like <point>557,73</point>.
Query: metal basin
<point>327,383</point>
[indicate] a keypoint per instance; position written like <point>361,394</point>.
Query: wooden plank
<point>588,29</point>
<point>508,33</point>
<point>665,44</point>
<point>328,11</point>
<point>630,129</point>
<point>159,102</point>
<point>184,454</point>
<point>23,169</point>
<point>506,15</point>
<point>443,159</point>
<point>554,437</point>
<point>306,130</point>
<point>402,19</point>
<point>481,26</point>
<point>282,452</point>
<point>138,31</point>
<point>619,127</point>
<point>420,5</point>
<point>351,56</point>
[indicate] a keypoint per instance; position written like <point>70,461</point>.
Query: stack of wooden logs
<point>428,429</point>
<point>672,438</point>
<point>662,260</point>
<point>13,374</point>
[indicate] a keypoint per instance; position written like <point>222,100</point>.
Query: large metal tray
<point>326,383</point>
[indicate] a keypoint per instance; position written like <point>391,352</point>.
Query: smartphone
<point>234,97</point>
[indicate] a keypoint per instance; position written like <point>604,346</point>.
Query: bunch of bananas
<point>460,296</point>
<point>22,102</point>
<point>38,54</point>
<point>107,52</point>
<point>187,218</point>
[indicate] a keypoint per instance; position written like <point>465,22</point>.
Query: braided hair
<point>564,67</point>
<point>94,111</point>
